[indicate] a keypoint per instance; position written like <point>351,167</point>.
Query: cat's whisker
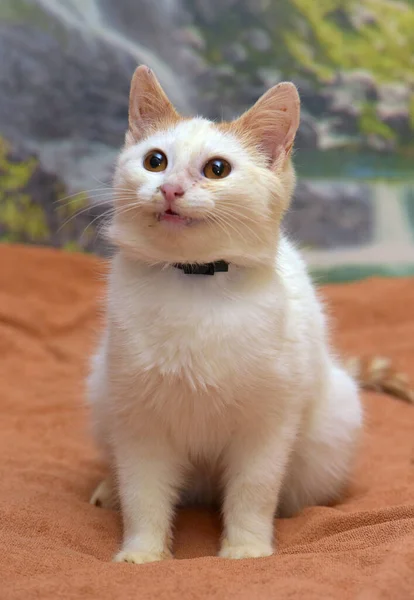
<point>91,223</point>
<point>92,193</point>
<point>229,203</point>
<point>236,230</point>
<point>87,209</point>
<point>224,226</point>
<point>76,215</point>
<point>239,219</point>
<point>107,214</point>
<point>242,222</point>
<point>98,200</point>
<point>80,193</point>
<point>232,207</point>
<point>231,213</point>
<point>125,209</point>
<point>213,221</point>
<point>108,185</point>
<point>234,210</point>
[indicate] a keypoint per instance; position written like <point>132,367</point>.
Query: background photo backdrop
<point>64,80</point>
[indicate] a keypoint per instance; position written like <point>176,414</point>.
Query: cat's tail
<point>379,374</point>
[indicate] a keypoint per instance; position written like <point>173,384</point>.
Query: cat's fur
<point>220,387</point>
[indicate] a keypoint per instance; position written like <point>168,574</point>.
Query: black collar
<point>219,266</point>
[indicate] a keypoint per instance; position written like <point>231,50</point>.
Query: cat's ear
<point>272,122</point>
<point>149,107</point>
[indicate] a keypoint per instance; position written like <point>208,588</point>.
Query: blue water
<point>343,164</point>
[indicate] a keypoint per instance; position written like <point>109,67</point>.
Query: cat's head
<point>190,190</point>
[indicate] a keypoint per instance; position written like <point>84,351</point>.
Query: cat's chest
<point>200,335</point>
<point>204,340</point>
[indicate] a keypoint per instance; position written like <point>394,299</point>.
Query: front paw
<point>140,557</point>
<point>245,550</point>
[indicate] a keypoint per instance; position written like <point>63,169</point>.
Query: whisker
<point>98,200</point>
<point>227,208</point>
<point>102,182</point>
<point>87,209</point>
<point>107,214</point>
<point>230,212</point>
<point>214,219</point>
<point>78,214</point>
<point>236,205</point>
<point>92,222</point>
<point>93,191</point>
<point>236,230</point>
<point>240,221</point>
<point>81,193</point>
<point>125,209</point>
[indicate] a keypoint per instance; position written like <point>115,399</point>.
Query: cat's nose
<point>171,191</point>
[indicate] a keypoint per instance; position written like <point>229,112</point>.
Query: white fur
<point>215,387</point>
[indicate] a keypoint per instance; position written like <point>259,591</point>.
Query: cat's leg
<point>319,470</point>
<point>149,476</point>
<point>255,466</point>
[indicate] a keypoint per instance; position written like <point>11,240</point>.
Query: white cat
<point>215,386</point>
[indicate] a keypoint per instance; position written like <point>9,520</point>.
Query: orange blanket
<point>55,545</point>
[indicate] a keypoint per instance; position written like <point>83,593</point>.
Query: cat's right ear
<point>149,107</point>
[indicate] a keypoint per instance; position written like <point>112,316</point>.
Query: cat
<point>214,379</point>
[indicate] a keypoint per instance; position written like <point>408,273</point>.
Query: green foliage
<point>376,35</point>
<point>22,218</point>
<point>40,212</point>
<point>21,11</point>
<point>321,36</point>
<point>14,175</point>
<point>70,207</point>
<point>369,124</point>
<point>72,246</point>
<point>411,110</point>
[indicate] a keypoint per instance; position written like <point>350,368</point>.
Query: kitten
<point>214,387</point>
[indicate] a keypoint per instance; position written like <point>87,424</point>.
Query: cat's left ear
<point>272,122</point>
<point>149,106</point>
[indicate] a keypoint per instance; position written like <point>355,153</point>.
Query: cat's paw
<point>245,551</point>
<point>104,495</point>
<point>140,557</point>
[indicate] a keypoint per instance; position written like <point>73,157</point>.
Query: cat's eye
<point>217,168</point>
<point>155,160</point>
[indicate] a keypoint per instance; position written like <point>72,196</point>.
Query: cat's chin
<point>174,220</point>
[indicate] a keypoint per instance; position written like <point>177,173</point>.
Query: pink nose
<point>171,191</point>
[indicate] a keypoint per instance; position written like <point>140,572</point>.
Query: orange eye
<point>155,160</point>
<point>217,168</point>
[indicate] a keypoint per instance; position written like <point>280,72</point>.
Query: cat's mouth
<point>170,216</point>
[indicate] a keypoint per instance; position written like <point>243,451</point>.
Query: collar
<point>219,266</point>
